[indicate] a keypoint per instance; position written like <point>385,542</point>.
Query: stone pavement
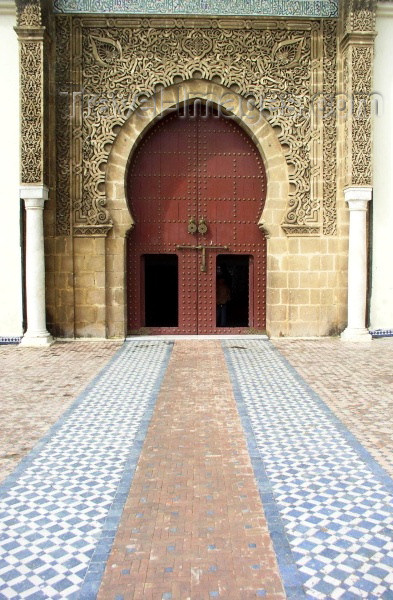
<point>305,513</point>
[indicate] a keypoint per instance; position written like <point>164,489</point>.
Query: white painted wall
<point>382,257</point>
<point>10,251</point>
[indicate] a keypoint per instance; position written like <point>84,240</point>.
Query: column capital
<point>357,196</point>
<point>34,192</point>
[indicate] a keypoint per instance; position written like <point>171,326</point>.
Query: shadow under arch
<point>232,105</point>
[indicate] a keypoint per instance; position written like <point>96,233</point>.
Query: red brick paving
<point>193,525</point>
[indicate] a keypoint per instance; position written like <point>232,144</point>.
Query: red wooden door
<point>196,188</point>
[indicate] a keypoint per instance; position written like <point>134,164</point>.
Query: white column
<point>36,334</point>
<point>357,199</point>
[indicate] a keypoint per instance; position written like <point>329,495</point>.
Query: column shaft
<point>36,334</point>
<point>357,199</point>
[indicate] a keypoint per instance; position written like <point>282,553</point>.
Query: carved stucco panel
<point>63,126</point>
<point>31,98</point>
<point>118,64</point>
<point>362,60</point>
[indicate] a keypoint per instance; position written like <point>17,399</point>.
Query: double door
<point>196,259</point>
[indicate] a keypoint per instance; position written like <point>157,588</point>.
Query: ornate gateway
<point>115,65</point>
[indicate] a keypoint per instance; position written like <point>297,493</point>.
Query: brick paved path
<point>193,525</point>
<point>341,541</point>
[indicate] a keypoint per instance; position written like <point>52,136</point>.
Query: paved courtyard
<point>197,469</point>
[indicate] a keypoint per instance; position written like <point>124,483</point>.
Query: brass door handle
<point>192,226</point>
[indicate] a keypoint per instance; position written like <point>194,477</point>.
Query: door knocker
<point>202,227</point>
<point>192,226</point>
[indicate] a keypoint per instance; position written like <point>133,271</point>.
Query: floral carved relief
<point>31,35</point>
<point>63,125</point>
<point>118,64</point>
<point>357,57</point>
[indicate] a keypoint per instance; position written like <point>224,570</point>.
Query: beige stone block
<point>117,313</point>
<point>327,297</point>
<point>315,297</point>
<point>79,263</point>
<point>309,313</point>
<point>66,264</point>
<point>293,245</point>
<point>327,262</point>
<point>95,297</point>
<point>278,313</point>
<point>315,263</point>
<point>49,264</point>
<point>85,280</point>
<point>310,245</point>
<point>341,263</point>
<point>332,279</point>
<point>115,245</point>
<point>285,296</point>
<point>96,264</point>
<point>116,330</point>
<point>85,314</point>
<point>116,279</point>
<point>304,329</point>
<point>278,279</point>
<point>309,279</point>
<point>89,330</point>
<point>99,280</point>
<point>273,263</point>
<point>64,280</point>
<point>83,246</point>
<point>298,263</point>
<point>323,279</point>
<point>50,246</point>
<point>293,313</point>
<point>65,298</point>
<point>274,296</point>
<point>112,263</point>
<point>277,246</point>
<point>341,296</point>
<point>80,298</point>
<point>299,296</point>
<point>293,280</point>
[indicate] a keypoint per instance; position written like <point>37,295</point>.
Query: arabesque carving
<point>119,63</point>
<point>362,60</point>
<point>28,13</point>
<point>31,41</point>
<point>358,48</point>
<point>63,126</point>
<point>31,98</point>
<point>329,122</point>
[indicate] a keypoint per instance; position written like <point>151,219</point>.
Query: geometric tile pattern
<point>328,503</point>
<point>67,495</point>
<point>278,8</point>
<point>4,340</point>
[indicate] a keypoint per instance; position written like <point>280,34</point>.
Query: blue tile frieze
<point>276,8</point>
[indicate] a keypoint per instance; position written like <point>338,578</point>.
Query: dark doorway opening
<point>232,290</point>
<point>161,290</point>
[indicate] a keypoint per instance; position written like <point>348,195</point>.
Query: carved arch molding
<point>107,67</point>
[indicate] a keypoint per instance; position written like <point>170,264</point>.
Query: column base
<point>356,335</point>
<point>37,341</point>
